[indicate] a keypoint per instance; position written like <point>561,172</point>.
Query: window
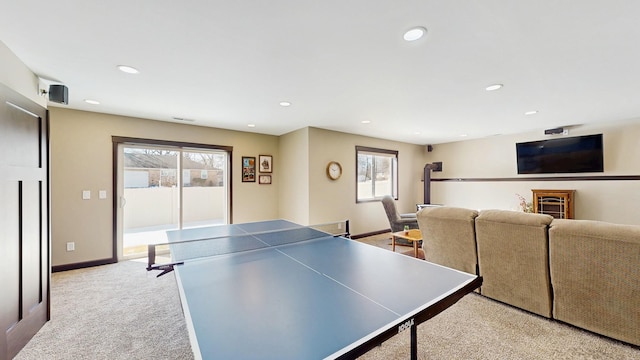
<point>377,173</point>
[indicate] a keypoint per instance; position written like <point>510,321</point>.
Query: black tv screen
<point>577,154</point>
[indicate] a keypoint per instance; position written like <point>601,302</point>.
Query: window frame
<point>393,154</point>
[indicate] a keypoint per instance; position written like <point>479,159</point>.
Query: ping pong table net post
<point>177,252</point>
<point>151,265</point>
<point>337,228</point>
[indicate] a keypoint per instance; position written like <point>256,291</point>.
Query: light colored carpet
<point>121,311</point>
<point>117,311</point>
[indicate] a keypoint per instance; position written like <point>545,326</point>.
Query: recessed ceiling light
<point>532,112</point>
<point>494,87</point>
<point>128,69</point>
<point>251,125</point>
<point>285,103</point>
<point>92,102</point>
<point>415,33</point>
<point>365,121</point>
<point>463,135</point>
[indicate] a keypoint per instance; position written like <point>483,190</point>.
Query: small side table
<point>413,235</point>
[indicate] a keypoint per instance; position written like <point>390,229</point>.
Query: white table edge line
<point>195,347</point>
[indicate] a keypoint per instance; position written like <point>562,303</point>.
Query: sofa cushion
<point>595,274</point>
<point>449,237</point>
<point>513,258</point>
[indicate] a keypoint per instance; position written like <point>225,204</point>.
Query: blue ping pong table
<point>320,296</point>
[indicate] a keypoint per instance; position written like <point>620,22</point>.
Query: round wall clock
<point>334,170</point>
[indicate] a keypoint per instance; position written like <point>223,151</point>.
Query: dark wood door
<point>24,221</point>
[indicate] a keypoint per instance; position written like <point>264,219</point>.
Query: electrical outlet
<point>71,246</point>
<point>86,194</point>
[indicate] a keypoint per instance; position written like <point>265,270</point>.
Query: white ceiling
<point>229,63</point>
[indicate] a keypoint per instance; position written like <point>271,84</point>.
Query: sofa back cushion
<point>513,258</point>
<point>449,237</point>
<point>595,273</point>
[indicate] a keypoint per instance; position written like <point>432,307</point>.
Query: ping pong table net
<point>164,256</point>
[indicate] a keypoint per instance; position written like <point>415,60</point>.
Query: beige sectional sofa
<point>595,273</point>
<point>452,237</point>
<point>585,273</point>
<point>513,256</point>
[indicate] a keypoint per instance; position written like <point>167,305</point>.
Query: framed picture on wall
<point>264,179</point>
<point>266,163</point>
<point>248,169</point>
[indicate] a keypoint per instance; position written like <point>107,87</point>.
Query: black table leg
<point>414,342</point>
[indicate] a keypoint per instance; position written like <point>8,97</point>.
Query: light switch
<point>86,194</point>
<point>103,194</point>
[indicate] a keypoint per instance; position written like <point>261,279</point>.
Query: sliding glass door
<point>164,188</point>
<point>204,194</point>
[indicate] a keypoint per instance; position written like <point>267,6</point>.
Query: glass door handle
<point>123,202</point>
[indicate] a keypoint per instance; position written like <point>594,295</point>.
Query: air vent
<point>182,119</point>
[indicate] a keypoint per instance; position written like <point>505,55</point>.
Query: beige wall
<point>308,196</point>
<point>81,151</point>
<point>81,159</point>
<point>16,75</point>
<point>336,200</point>
<point>301,191</point>
<point>293,183</point>
<point>495,157</point>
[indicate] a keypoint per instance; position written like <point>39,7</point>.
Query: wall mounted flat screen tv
<point>576,154</point>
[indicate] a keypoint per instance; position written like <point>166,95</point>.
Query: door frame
<point>120,140</point>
